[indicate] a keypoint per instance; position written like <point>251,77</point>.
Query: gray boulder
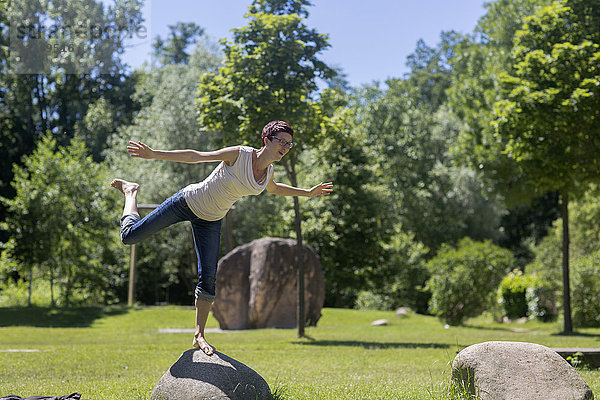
<point>402,312</point>
<point>517,371</point>
<point>256,286</point>
<point>218,377</point>
<point>380,322</point>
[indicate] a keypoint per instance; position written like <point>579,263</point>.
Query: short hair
<point>273,127</point>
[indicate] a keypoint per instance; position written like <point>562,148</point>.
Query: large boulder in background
<point>256,286</point>
<point>218,377</point>
<point>517,371</point>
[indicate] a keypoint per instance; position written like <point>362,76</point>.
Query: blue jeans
<point>207,236</point>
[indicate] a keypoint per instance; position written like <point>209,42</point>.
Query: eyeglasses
<point>284,143</point>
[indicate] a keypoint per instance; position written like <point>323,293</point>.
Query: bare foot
<point>201,343</point>
<point>124,186</point>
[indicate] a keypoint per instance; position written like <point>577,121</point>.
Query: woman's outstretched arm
<point>142,150</point>
<point>281,189</point>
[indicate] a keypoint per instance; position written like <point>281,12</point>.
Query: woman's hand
<point>139,149</point>
<point>321,189</point>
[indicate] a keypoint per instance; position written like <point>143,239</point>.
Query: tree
<point>351,227</point>
<point>584,240</point>
<point>182,35</point>
<point>270,73</point>
<point>479,59</point>
<point>586,285</point>
<point>526,224</point>
<point>429,193</point>
<point>167,96</point>
<point>49,91</point>
<point>400,280</point>
<point>547,121</point>
<point>58,222</point>
<point>584,217</point>
<point>66,54</point>
<point>431,70</point>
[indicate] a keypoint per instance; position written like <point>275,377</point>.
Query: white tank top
<point>214,196</point>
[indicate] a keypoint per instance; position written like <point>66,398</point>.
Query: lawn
<point>118,353</point>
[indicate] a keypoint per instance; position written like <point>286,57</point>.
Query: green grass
<point>118,353</point>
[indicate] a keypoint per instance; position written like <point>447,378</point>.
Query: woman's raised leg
<point>135,229</point>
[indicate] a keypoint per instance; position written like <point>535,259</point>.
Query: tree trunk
<point>32,137</point>
<point>52,302</point>
<point>68,285</point>
<point>42,104</point>
<point>568,325</point>
<point>299,250</point>
<point>30,287</point>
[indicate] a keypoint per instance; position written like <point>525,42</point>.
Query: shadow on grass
<point>374,345</point>
<point>486,328</point>
<point>509,328</point>
<point>45,317</point>
<point>575,334</point>
<point>524,329</point>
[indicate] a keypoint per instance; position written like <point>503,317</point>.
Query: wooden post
<point>131,291</point>
<point>300,265</point>
<point>300,318</point>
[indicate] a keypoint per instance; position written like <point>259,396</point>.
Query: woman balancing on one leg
<point>243,171</point>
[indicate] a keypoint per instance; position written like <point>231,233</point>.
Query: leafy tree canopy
<point>173,50</point>
<point>548,121</point>
<point>270,73</point>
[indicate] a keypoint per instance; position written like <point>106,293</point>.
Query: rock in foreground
<point>517,371</point>
<point>218,377</point>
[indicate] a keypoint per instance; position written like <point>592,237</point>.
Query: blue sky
<point>370,39</point>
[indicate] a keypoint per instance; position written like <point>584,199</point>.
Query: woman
<point>243,171</point>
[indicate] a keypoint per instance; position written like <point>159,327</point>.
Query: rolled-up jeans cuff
<point>129,217</point>
<point>203,295</point>
<point>127,221</point>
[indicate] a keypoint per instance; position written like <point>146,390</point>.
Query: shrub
<point>400,281</point>
<point>547,264</point>
<point>14,294</point>
<point>61,221</point>
<point>585,291</point>
<point>464,280</point>
<point>368,300</point>
<point>513,294</point>
<point>541,300</point>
